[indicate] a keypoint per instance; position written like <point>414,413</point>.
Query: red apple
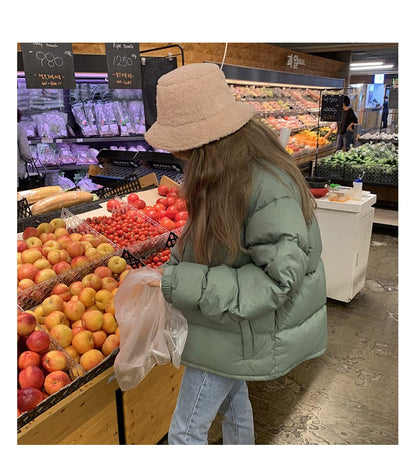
<point>26,324</point>
<point>52,303</point>
<point>99,337</point>
<point>55,381</point>
<point>75,288</point>
<point>30,232</point>
<point>62,334</point>
<point>54,360</point>
<point>38,341</point>
<point>62,290</point>
<point>92,320</point>
<point>91,280</point>
<point>21,245</point>
<point>73,309</point>
<point>54,318</point>
<point>103,271</point>
<point>50,245</point>
<point>64,240</point>
<point>108,283</point>
<point>91,359</point>
<point>44,274</point>
<point>61,267</point>
<point>26,270</point>
<point>111,343</point>
<point>28,398</point>
<point>30,255</point>
<point>83,341</point>
<point>75,249</point>
<point>31,376</point>
<point>78,261</point>
<point>44,237</point>
<point>28,358</point>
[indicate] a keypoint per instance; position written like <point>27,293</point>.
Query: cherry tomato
<point>162,190</point>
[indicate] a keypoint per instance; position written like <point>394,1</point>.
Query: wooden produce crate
<point>148,408</point>
<point>87,416</point>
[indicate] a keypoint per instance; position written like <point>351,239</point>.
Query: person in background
<point>385,112</point>
<point>332,129</point>
<point>345,138</point>
<point>23,153</point>
<point>246,271</point>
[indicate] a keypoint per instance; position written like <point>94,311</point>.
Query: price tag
<point>123,65</point>
<point>48,65</point>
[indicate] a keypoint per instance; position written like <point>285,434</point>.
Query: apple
<point>86,237</point>
<point>26,270</point>
<point>99,337</point>
<point>83,341</point>
<point>72,352</point>
<point>109,283</point>
<point>91,280</point>
<point>102,297</point>
<point>92,253</point>
<point>74,309</point>
<point>45,227</point>
<point>87,296</point>
<point>109,323</point>
<point>112,342</point>
<point>21,245</point>
<point>48,236</point>
<point>19,259</point>
<point>55,381</point>
<point>75,249</point>
<point>26,324</point>
<point>44,274</point>
<point>75,287</point>
<point>31,376</point>
<point>62,290</point>
<point>103,271</point>
<point>97,240</point>
<point>117,264</point>
<point>25,284</point>
<point>38,312</point>
<point>38,341</point>
<point>42,263</point>
<point>52,303</point>
<point>86,244</point>
<point>78,261</point>
<point>30,255</point>
<point>92,320</point>
<point>30,232</point>
<point>33,242</point>
<point>76,330</point>
<point>54,360</point>
<point>75,236</point>
<point>91,359</point>
<point>59,232</point>
<point>62,334</point>
<point>28,358</point>
<point>77,324</point>
<point>57,255</point>
<point>64,240</point>
<point>109,307</point>
<point>105,249</point>
<point>28,398</point>
<point>50,245</point>
<point>61,267</point>
<point>54,318</point>
<point>57,222</point>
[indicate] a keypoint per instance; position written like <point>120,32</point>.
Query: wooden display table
<point>99,413</point>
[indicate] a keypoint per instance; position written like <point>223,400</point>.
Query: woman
<point>246,271</point>
<point>345,137</point>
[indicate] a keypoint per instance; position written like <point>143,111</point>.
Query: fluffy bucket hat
<point>195,106</point>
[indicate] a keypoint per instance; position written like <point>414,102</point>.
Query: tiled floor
<point>349,396</point>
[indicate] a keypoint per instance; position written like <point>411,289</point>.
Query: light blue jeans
<point>202,395</point>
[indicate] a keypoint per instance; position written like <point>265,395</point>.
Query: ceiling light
<point>362,68</point>
<point>365,64</point>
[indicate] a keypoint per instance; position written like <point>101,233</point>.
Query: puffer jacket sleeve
<point>276,237</point>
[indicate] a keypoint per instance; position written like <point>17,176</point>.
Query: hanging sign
<point>48,65</point>
<point>331,108</point>
<point>123,65</point>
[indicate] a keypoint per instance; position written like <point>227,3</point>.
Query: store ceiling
<point>360,52</point>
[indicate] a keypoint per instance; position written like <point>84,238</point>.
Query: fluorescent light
<point>362,68</point>
<point>370,63</point>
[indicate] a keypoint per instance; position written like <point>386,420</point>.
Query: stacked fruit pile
<point>50,249</point>
<point>80,319</point>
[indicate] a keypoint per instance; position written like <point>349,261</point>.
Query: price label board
<point>123,65</point>
<point>48,65</point>
<point>331,108</point>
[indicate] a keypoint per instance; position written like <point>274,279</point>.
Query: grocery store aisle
<point>350,394</point>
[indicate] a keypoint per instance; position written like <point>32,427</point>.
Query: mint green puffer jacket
<point>265,314</point>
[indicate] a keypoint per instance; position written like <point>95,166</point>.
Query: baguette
<point>58,201</point>
<point>36,194</point>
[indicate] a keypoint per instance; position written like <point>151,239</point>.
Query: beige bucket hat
<point>195,106</point>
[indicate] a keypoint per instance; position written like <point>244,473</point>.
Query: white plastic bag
<point>152,331</point>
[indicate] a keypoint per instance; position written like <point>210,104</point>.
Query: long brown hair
<point>217,185</point>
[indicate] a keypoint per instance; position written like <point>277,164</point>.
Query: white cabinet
<point>346,229</point>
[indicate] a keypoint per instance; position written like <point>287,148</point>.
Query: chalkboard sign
<point>123,65</point>
<point>331,108</point>
<point>48,65</point>
<point>394,98</point>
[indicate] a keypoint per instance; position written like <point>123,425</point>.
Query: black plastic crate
<point>23,209</point>
<point>124,187</point>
